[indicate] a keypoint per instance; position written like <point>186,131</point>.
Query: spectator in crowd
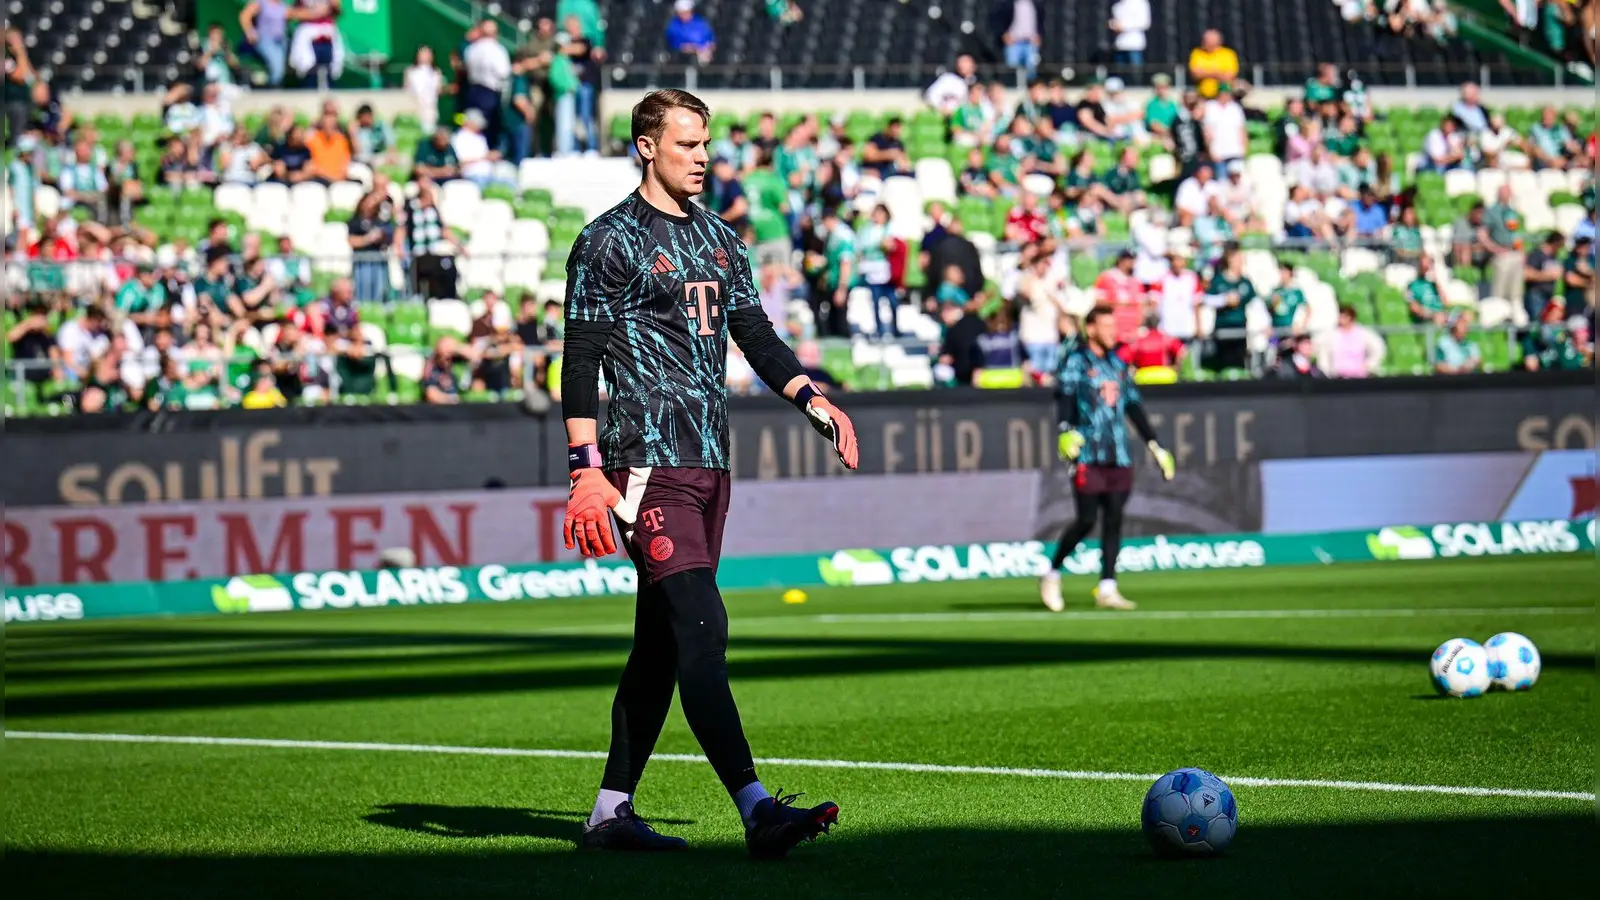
<point>240,157</point>
<point>574,75</point>
<point>488,74</point>
<point>531,101</point>
<point>1179,297</point>
<point>1543,275</point>
<point>1467,242</point>
<point>372,234</point>
<point>179,164</point>
<point>216,61</point>
<point>1371,214</point>
<point>1196,196</point>
<point>884,154</point>
<point>316,49</point>
<point>1025,222</point>
<point>495,346</point>
<point>1353,350</point>
<point>1161,110</point>
<point>436,159</point>
<point>330,150</point>
<point>1124,117</point>
<point>1043,301</point>
<point>1453,352</point>
<point>263,392</point>
<point>1092,118</point>
<point>1425,294</point>
<point>423,84</point>
<point>689,34</point>
<point>84,182</point>
<point>1553,344</point>
<point>355,364</point>
<point>1469,111</point>
<point>1296,359</point>
<point>291,163</point>
<point>873,269</point>
<point>1226,136</point>
<point>960,354</point>
<point>141,297</point>
<point>1130,22</point>
<point>1017,23</point>
<point>1118,289</point>
<point>32,343</point>
<point>1287,303</point>
<point>125,183</point>
<point>1578,278</point>
<point>471,147</point>
<point>1495,140</point>
<point>266,34</point>
<point>1445,148</point>
<point>440,385</point>
<point>19,74</point>
<point>998,344</point>
<point>1211,64</point>
<point>1501,234</point>
<point>1551,144</point>
<point>1405,237</point>
<point>725,196</point>
<point>1229,293</point>
<point>370,139</point>
<point>952,87</point>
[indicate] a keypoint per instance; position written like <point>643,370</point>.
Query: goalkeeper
<point>1095,399</point>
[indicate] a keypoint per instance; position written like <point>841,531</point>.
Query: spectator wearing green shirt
<point>1550,142</point>
<point>1424,297</point>
<point>969,125</point>
<point>1578,277</point>
<point>872,264</point>
<point>1325,86</point>
<point>1161,110</point>
<point>1405,237</point>
<point>974,179</point>
<point>839,252</point>
<point>1346,140</point>
<point>1502,234</point>
<point>141,296</point>
<point>952,290</point>
<point>1229,293</point>
<point>1122,183</point>
<point>1287,303</point>
<point>1552,346</point>
<point>436,159</point>
<point>1453,354</point>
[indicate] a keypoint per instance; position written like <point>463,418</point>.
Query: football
<point>1460,668</point>
<point>1190,812</point>
<point>1513,661</point>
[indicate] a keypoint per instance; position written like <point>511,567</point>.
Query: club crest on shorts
<point>720,257</point>
<point>661,548</point>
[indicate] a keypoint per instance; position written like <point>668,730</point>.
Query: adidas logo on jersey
<point>663,265</point>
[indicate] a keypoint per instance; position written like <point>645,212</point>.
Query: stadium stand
<point>325,267</point>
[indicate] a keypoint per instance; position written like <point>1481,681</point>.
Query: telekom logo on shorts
<point>702,297</point>
<point>653,518</point>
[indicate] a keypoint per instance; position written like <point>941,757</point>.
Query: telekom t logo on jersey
<point>702,297</point>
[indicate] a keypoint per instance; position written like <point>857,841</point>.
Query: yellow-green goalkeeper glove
<point>1169,466</point>
<point>1070,444</point>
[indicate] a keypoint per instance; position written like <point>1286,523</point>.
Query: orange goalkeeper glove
<point>833,424</point>
<point>590,501</point>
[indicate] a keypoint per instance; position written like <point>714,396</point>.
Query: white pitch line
<point>921,768</point>
<point>1190,614</point>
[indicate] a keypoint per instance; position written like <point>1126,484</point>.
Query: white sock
<point>747,798</point>
<point>1108,584</point>
<point>605,805</point>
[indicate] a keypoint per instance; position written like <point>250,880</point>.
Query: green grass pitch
<point>1314,674</point>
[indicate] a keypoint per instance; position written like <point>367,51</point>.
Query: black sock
<point>644,695</point>
<point>700,627</point>
<point>1088,511</point>
<point>1111,534</point>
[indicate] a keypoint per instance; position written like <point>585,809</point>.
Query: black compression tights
<point>1090,507</point>
<point>680,636</point>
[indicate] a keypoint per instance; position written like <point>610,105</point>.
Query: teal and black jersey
<point>664,287</point>
<point>1096,395</point>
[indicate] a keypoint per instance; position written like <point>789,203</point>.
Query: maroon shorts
<point>1090,479</point>
<point>680,520</point>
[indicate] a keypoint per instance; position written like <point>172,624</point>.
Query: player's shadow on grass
<point>1532,856</point>
<point>487,821</point>
<point>563,662</point>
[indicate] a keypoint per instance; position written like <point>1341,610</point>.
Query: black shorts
<point>1093,479</point>
<point>682,513</point>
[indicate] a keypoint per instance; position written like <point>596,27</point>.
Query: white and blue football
<point>1513,661</point>
<point>1190,812</point>
<point>1460,668</point>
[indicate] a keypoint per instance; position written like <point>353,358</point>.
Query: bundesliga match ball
<point>1460,668</point>
<point>1189,812</point>
<point>1513,661</point>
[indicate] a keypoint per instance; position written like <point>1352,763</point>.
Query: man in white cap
<point>689,34</point>
<point>472,149</point>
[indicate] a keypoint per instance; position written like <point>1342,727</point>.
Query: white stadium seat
<point>458,202</point>
<point>449,315</point>
<point>1489,182</point>
<point>1552,181</point>
<point>1568,215</point>
<point>1163,167</point>
<point>233,198</point>
<point>936,179</point>
<point>1459,182</point>
<point>529,236</point>
<point>1355,260</point>
<point>377,338</point>
<point>361,173</point>
<point>1459,293</point>
<point>1493,312</point>
<point>1399,275</point>
<point>307,196</point>
<point>1324,308</point>
<point>344,195</point>
<point>46,201</point>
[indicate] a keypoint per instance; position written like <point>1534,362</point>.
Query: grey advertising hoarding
<point>247,455</point>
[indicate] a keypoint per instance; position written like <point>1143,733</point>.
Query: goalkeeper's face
<point>679,159</point>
